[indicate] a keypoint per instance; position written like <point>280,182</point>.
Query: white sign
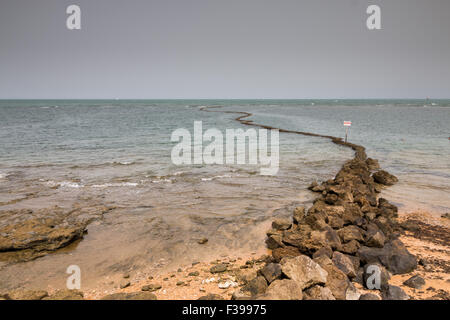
<point>347,123</point>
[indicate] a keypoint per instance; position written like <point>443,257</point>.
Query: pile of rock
<point>323,251</point>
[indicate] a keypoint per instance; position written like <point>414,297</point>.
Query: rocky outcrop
<point>26,234</point>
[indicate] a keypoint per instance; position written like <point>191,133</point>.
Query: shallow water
<point>117,153</point>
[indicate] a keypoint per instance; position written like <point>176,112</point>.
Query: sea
<point>117,153</point>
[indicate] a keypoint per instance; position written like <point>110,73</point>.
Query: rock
<point>227,284</point>
<point>271,271</point>
<point>385,178</point>
<point>394,256</point>
<point>376,240</point>
<point>337,281</point>
<point>318,293</point>
<point>372,164</point>
<point>350,233</point>
<point>126,276</point>
<point>394,293</point>
<point>283,290</point>
<point>416,282</point>
<point>151,287</point>
<point>194,274</point>
<point>335,222</point>
<point>27,234</point>
<point>446,215</point>
<point>20,294</point>
<point>304,271</point>
<point>326,251</point>
<point>370,273</point>
<point>245,275</point>
<point>274,241</point>
<point>351,247</point>
<point>124,284</point>
<point>180,283</point>
<point>256,286</point>
<point>240,295</point>
<point>369,296</point>
<point>352,293</point>
<point>130,296</point>
<point>287,251</point>
<point>202,241</point>
<point>331,198</point>
<point>299,214</point>
<point>211,296</point>
<point>66,294</point>
<point>219,268</point>
<point>344,264</point>
<point>281,224</point>
<point>387,209</point>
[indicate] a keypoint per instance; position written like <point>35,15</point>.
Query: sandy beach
<point>346,206</point>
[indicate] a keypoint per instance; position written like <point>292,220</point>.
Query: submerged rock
<point>26,234</point>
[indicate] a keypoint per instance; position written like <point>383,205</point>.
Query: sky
<point>229,49</point>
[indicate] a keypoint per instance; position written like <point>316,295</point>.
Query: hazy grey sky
<point>224,49</point>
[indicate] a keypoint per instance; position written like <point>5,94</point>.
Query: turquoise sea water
<point>117,153</point>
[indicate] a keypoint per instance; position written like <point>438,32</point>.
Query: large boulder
<point>350,233</point>
<point>344,263</point>
<point>337,281</point>
<point>385,178</point>
<point>281,224</point>
<point>304,271</point>
<point>394,256</point>
<point>288,251</point>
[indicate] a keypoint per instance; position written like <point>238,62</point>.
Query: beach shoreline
<point>190,282</point>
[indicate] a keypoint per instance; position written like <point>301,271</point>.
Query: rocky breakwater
<point>26,234</point>
<point>335,246</point>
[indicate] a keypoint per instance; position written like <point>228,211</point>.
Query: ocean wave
<point>216,177</point>
<point>115,184</point>
<point>64,184</point>
<point>105,164</point>
<point>162,180</point>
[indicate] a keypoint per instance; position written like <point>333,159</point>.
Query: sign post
<point>347,124</point>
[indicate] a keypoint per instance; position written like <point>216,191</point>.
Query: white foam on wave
<point>116,184</point>
<point>162,180</point>
<point>64,184</point>
<point>216,177</point>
